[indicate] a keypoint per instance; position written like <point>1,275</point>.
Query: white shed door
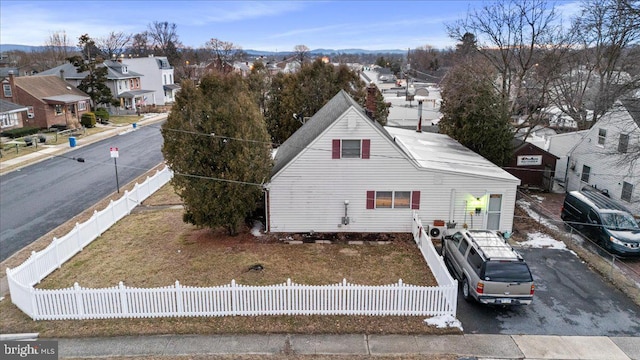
<point>493,211</point>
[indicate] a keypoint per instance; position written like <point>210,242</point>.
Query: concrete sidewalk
<point>474,346</point>
<point>51,150</point>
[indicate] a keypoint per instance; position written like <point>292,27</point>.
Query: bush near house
<point>20,132</point>
<point>88,120</point>
<point>102,115</point>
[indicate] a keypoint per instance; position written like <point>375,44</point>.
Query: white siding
<point>607,171</point>
<point>310,192</point>
<point>560,145</point>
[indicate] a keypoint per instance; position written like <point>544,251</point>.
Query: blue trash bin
<point>72,141</point>
<point>135,125</point>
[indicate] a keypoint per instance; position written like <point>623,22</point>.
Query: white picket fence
<point>229,300</point>
<point>431,256</point>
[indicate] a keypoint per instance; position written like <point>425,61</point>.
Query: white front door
<point>493,211</point>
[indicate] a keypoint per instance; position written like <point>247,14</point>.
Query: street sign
<point>114,152</point>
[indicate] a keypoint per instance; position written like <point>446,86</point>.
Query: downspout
<point>566,175</point>
<point>267,225</point>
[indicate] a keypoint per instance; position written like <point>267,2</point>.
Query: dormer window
<point>6,89</point>
<point>125,70</point>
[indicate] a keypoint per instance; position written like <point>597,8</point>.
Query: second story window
<point>602,135</point>
<point>6,89</point>
<point>351,149</point>
<point>623,145</point>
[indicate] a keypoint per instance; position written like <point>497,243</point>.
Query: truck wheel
<point>466,295</point>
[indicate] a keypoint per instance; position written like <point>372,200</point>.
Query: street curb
<point>24,336</point>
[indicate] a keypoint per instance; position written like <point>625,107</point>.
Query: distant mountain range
<point>29,48</point>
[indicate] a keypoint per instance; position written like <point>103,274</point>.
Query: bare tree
<point>140,45</point>
<point>601,63</point>
<point>514,36</point>
<point>114,44</point>
<point>57,47</point>
<point>222,53</point>
<point>302,53</point>
<point>162,35</point>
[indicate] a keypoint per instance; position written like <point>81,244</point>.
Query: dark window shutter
<point>366,147</point>
<point>335,153</point>
<point>371,199</point>
<point>415,200</point>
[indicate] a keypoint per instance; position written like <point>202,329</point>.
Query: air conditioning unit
<point>437,229</point>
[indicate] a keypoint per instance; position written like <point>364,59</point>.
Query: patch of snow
<point>444,321</point>
<point>526,206</point>
<point>257,229</point>
<point>537,198</point>
<point>1,298</point>
<point>539,240</point>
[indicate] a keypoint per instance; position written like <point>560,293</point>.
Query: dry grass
<point>153,247</point>
<point>287,357</point>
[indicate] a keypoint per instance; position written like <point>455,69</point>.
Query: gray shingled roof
<point>633,107</point>
<point>8,107</point>
<point>71,72</point>
<point>320,121</point>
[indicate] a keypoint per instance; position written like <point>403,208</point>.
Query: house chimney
<point>370,102</point>
<point>62,74</point>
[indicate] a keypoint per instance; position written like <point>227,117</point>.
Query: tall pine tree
<point>216,142</point>
<point>474,113</point>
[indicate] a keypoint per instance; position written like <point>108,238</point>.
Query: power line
<point>275,145</point>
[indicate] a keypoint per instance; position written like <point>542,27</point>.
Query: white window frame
<point>602,136</point>
<point>82,106</point>
<point>350,156</point>
<point>6,90</point>
<point>58,109</point>
<point>393,203</point>
<point>8,120</point>
<point>30,112</point>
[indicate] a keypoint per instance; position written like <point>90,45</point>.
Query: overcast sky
<point>259,25</point>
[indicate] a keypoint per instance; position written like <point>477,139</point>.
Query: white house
<point>158,76</point>
<point>343,172</point>
<point>601,159</point>
<point>561,145</point>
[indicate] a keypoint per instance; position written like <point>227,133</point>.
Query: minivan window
<point>619,221</point>
<point>507,271</point>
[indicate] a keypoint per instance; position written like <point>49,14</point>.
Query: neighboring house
<point>561,145</point>
<point>11,115</point>
<point>343,172</point>
<point>49,100</point>
<point>534,166</point>
<point>125,85</point>
<point>157,75</point>
<point>601,158</point>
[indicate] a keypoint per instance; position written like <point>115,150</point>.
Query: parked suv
<point>490,270</point>
<point>604,221</point>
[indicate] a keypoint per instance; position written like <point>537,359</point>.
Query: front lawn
<point>152,247</point>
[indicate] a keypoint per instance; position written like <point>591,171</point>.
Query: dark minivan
<point>608,223</point>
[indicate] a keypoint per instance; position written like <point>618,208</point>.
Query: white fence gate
<point>229,300</point>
